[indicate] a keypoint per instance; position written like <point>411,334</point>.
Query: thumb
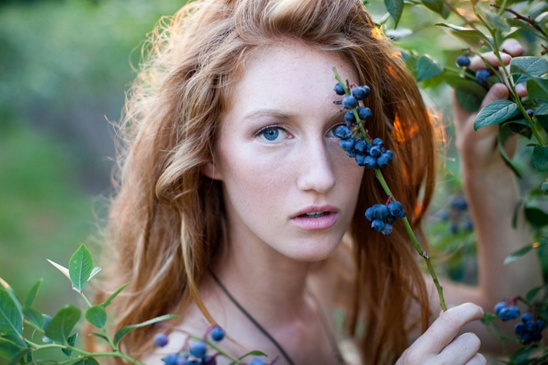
<point>496,92</point>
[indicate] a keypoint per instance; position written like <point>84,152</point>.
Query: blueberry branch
<point>386,189</point>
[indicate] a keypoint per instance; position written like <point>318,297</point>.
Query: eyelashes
<point>277,133</point>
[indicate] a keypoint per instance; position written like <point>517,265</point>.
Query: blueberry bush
<point>464,29</point>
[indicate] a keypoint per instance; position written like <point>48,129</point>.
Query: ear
<point>210,171</point>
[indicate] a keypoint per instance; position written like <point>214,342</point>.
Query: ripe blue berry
<point>377,142</point>
<point>349,102</point>
<point>375,151</point>
<point>387,229</point>
<point>161,339</point>
<point>217,334</point>
<point>198,349</point>
<point>383,160</point>
<point>342,132</point>
<point>360,145</point>
<point>346,144</point>
<point>530,112</point>
<point>377,225</point>
<point>361,92</point>
<point>508,313</point>
<point>463,61</point>
<point>499,306</point>
<point>339,89</point>
<point>364,113</point>
<point>396,209</point>
<point>370,162</point>
<point>379,211</point>
<point>172,359</point>
<point>482,76</point>
<point>459,203</point>
<point>349,117</point>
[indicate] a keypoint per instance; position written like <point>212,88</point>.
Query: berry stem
<point>415,242</point>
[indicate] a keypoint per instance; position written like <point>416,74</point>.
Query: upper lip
<point>316,209</point>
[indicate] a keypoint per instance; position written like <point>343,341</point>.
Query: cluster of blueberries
<point>371,155</point>
<point>481,75</point>
<point>383,216</point>
<point>457,214</point>
<point>528,329</point>
<point>196,354</point>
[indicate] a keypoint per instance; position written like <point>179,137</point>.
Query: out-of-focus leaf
<point>62,324</point>
<point>537,88</point>
<point>395,9</point>
<point>107,302</point>
<point>521,252</point>
<point>470,36</point>
<point>29,300</point>
<point>11,317</point>
<point>97,316</point>
<point>122,332</point>
<point>540,158</point>
<point>536,216</point>
<point>427,68</point>
<point>504,133</point>
<point>528,67</point>
<point>86,361</point>
<point>33,316</point>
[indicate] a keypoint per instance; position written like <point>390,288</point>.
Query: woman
<point>237,207</point>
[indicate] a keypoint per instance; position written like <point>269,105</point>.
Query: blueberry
<point>377,142</point>
<point>361,92</point>
<point>459,203</point>
<point>387,229</point>
<point>171,359</point>
<point>370,162</point>
<point>390,219</point>
<point>346,144</point>
<point>209,360</point>
<point>468,225</point>
<point>526,317</point>
<point>375,151</point>
<point>161,339</point>
<point>377,225</point>
<point>519,329</point>
<point>349,102</point>
<point>369,213</point>
<point>217,334</point>
<point>341,131</point>
<point>396,209</point>
<point>339,89</point>
<point>530,112</point>
<point>198,349</point>
<point>364,113</point>
<point>360,145</point>
<point>463,61</point>
<point>499,306</point>
<point>383,160</point>
<point>349,117</point>
<point>540,325</point>
<point>360,159</point>
<point>256,361</point>
<point>482,76</point>
<point>379,211</point>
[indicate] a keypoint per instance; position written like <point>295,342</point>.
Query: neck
<point>271,286</point>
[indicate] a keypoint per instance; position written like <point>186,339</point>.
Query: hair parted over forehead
<point>167,223</point>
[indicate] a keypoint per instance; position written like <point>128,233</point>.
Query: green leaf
<point>540,158</point>
<point>470,36</point>
<point>8,349</point>
<point>252,353</point>
<point>542,109</point>
<point>531,294</point>
<point>86,361</point>
<point>71,340</point>
<point>100,335</point>
<point>11,293</point>
<point>61,268</point>
<point>122,332</point>
<point>107,302</point>
<point>17,358</point>
<point>493,20</point>
<point>536,216</point>
<point>528,66</point>
<point>427,68</point>
<point>496,113</point>
<point>33,316</point>
<point>29,300</point>
<point>80,267</point>
<point>538,89</point>
<point>521,252</point>
<point>11,316</point>
<point>395,9</point>
<point>505,132</point>
<point>63,323</point>
<point>94,272</point>
<point>97,316</point>
<point>435,5</point>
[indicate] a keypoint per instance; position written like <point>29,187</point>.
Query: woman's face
<point>287,184</point>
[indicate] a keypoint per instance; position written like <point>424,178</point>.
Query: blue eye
<point>271,133</point>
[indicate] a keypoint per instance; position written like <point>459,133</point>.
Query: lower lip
<point>314,224</point>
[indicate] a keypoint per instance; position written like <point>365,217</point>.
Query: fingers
<point>512,47</point>
<point>478,359</point>
<point>447,326</point>
<point>461,350</point>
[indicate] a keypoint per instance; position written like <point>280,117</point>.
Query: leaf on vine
<point>531,294</point>
<point>540,158</point>
<point>122,332</point>
<point>80,267</point>
<point>29,300</point>
<point>521,252</point>
<point>11,316</point>
<point>252,353</point>
<point>17,358</point>
<point>427,68</point>
<point>71,340</point>
<point>537,88</point>
<point>33,316</point>
<point>493,19</point>
<point>495,113</point>
<point>62,324</point>
<point>542,109</point>
<point>536,216</point>
<point>61,268</point>
<point>8,350</point>
<point>435,5</point>
<point>94,272</point>
<point>470,36</point>
<point>528,67</point>
<point>97,316</point>
<point>395,9</point>
<point>107,302</point>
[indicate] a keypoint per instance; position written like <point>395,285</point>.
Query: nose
<point>315,170</point>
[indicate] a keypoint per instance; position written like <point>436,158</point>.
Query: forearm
<point>493,195</point>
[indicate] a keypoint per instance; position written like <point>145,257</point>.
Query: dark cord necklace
<point>330,336</point>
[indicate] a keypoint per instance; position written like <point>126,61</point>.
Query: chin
<point>312,252</point>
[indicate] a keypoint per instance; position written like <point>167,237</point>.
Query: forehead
<point>288,74</point>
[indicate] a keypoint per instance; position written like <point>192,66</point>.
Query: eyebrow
<point>282,114</point>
